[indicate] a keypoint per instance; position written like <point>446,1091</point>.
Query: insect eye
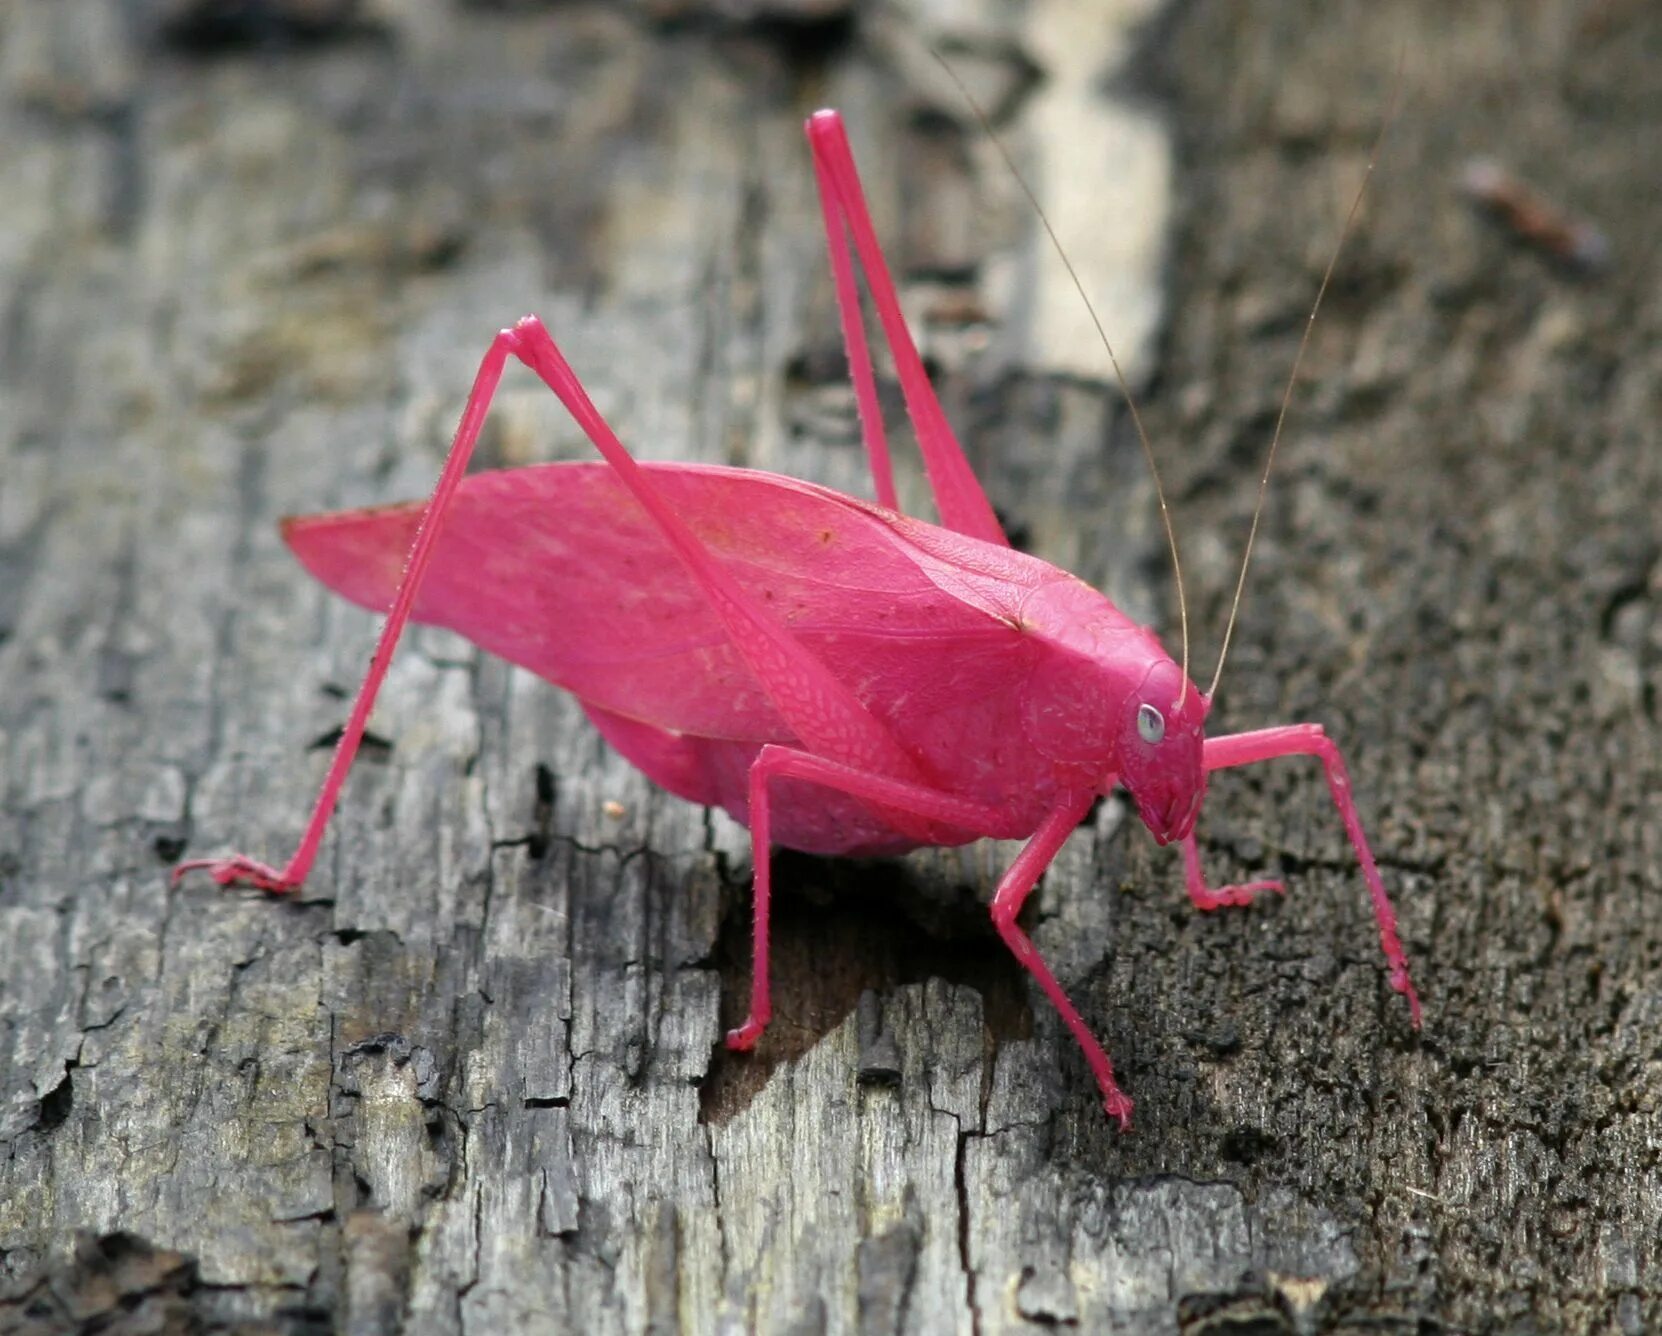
<point>1151,724</point>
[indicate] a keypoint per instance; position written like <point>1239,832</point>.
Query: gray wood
<point>469,1079</point>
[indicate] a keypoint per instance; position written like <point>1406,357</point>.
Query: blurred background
<point>250,254</point>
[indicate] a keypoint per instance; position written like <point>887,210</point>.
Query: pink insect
<point>840,677</point>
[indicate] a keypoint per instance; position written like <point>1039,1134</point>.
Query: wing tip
<point>289,527</point>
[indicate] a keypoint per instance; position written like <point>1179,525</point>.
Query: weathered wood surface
<point>469,1080</point>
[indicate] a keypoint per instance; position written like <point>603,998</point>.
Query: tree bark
<point>470,1078</point>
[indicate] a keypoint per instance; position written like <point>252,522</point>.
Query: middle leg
<point>916,809</point>
<point>928,805</point>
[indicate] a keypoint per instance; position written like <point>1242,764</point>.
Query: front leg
<point>1309,740</point>
<point>1209,897</point>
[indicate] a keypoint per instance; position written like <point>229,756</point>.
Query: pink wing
<point>555,568</point>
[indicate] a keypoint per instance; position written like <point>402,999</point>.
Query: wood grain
<point>469,1079</point>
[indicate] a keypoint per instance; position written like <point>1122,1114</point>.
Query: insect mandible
<point>838,676</point>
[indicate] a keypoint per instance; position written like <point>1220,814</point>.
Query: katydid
<point>838,676</point>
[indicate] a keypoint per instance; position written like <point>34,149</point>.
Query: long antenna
<point>1298,361</point>
<point>1119,375</point>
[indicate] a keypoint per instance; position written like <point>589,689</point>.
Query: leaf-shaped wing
<point>555,568</point>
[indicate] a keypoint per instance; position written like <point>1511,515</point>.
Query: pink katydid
<point>840,677</point>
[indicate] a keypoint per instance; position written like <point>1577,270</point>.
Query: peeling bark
<point>470,1079</point>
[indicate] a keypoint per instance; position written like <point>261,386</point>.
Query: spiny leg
<point>962,504</point>
<point>240,868</point>
<point>820,709</point>
<point>917,807</point>
<point>1017,884</point>
<point>1309,740</point>
<point>854,341</point>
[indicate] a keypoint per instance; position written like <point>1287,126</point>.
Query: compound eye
<point>1151,724</point>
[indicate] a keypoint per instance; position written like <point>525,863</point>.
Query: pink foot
<point>240,870</point>
<point>1119,1108</point>
<point>743,1039</point>
<point>1234,896</point>
<point>1404,985</point>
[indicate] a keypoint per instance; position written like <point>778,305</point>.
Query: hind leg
<point>958,496</point>
<point>820,710</point>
